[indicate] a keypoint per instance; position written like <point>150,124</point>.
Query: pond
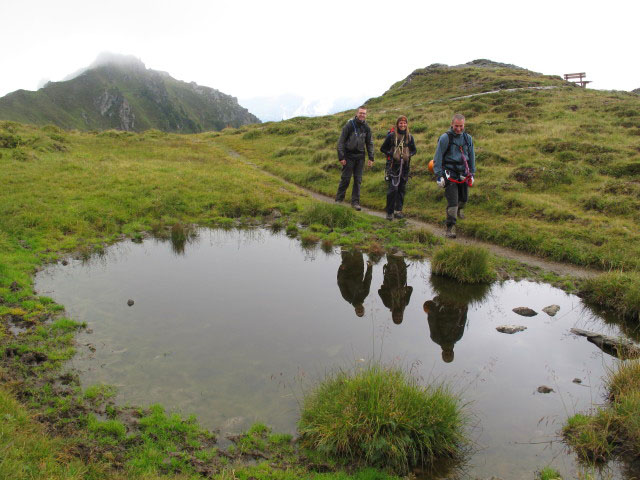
<point>234,325</point>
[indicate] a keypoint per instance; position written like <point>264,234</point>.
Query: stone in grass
<point>130,302</point>
<point>510,328</point>
<point>544,389</point>
<point>525,311</point>
<point>551,310</point>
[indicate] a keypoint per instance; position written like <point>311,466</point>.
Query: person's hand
<point>440,182</point>
<point>470,181</point>
<point>343,162</point>
<point>370,163</point>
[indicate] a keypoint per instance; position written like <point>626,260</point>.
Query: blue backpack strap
<point>355,129</point>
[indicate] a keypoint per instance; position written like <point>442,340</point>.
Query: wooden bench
<point>577,78</point>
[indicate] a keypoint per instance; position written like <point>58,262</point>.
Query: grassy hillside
<point>558,169</point>
<point>126,97</point>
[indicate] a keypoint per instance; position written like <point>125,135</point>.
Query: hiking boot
<point>357,207</point>
<point>389,216</point>
<point>461,214</point>
<point>338,200</point>
<point>451,231</point>
<point>398,215</point>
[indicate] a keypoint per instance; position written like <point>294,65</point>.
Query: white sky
<point>322,49</point>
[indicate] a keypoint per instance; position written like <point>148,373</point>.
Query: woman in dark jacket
<point>399,147</point>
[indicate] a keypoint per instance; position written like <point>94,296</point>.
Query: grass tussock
<point>465,264</point>
<point>332,216</point>
<point>380,416</point>
<point>615,428</point>
<point>619,291</point>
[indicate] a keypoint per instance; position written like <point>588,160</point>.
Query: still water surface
<point>236,324</point>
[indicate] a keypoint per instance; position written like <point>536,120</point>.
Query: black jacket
<point>363,137</point>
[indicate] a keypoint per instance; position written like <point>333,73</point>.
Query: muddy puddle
<point>233,326</point>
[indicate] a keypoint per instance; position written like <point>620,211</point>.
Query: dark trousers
<point>353,167</point>
<point>395,194</point>
<point>455,193</point>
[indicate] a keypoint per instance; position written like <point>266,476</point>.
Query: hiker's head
<point>401,123</point>
<point>457,123</point>
<point>447,355</point>
<point>359,310</point>
<point>362,114</point>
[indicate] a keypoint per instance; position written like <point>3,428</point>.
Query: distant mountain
<point>283,107</point>
<point>119,92</point>
<point>637,90</point>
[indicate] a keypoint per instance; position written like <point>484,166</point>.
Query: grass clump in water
<point>548,473</point>
<point>380,416</point>
<point>464,263</point>
<point>619,291</point>
<point>614,429</point>
<point>332,216</point>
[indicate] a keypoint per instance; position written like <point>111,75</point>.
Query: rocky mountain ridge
<point>119,92</point>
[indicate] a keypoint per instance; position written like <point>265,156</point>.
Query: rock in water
<point>551,310</point>
<point>577,380</point>
<point>544,389</point>
<point>510,328</point>
<point>130,302</point>
<point>525,311</point>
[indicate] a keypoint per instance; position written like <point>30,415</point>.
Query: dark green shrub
<point>380,416</point>
<point>8,140</point>
<point>252,135</point>
<point>466,264</point>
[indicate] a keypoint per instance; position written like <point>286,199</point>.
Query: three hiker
<point>399,147</point>
<point>355,137</point>
<point>454,165</point>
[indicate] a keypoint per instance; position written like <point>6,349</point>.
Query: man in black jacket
<point>355,136</point>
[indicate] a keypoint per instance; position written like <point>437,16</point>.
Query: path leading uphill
<point>558,268</point>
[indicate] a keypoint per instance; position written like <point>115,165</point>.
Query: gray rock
<point>525,311</point>
<point>551,310</point>
<point>577,380</point>
<point>130,302</point>
<point>544,389</point>
<point>510,328</point>
<point>614,346</point>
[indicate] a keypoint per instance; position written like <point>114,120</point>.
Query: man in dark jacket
<point>454,165</point>
<point>355,136</point>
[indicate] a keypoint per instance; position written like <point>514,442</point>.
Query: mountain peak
<point>118,60</point>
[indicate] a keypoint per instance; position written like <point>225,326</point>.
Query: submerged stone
<point>510,328</point>
<point>130,302</point>
<point>551,310</point>
<point>525,311</point>
<point>544,389</point>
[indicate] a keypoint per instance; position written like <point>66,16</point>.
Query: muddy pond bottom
<point>235,325</point>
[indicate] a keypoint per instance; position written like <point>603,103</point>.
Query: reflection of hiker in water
<point>394,292</point>
<point>447,311</point>
<point>353,287</point>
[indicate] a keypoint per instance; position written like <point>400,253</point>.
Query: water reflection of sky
<point>233,330</point>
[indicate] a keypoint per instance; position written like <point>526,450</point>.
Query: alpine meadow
<point>558,177</point>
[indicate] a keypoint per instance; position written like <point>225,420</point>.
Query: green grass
<point>466,264</point>
<point>548,473</point>
<point>617,291</point>
<point>380,416</point>
<point>557,169</point>
<point>615,428</point>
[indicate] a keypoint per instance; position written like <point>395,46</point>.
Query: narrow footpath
<point>563,269</point>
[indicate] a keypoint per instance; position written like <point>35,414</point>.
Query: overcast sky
<point>320,49</point>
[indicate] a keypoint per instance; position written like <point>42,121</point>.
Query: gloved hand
<point>470,181</point>
<point>440,182</point>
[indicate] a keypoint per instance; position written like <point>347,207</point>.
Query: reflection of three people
<point>446,312</point>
